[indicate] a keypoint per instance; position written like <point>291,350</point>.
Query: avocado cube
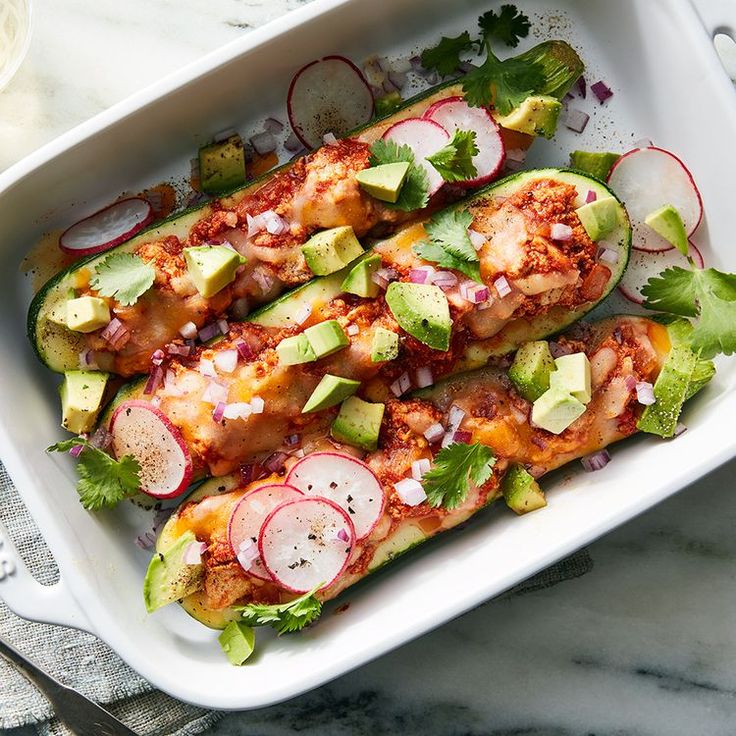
<point>295,350</point>
<point>358,423</point>
<point>599,218</point>
<point>331,390</point>
<point>422,311</point>
<point>330,250</point>
<point>386,104</point>
<point>572,375</point>
<point>212,267</point>
<point>555,410</point>
<point>667,222</point>
<point>87,313</point>
<point>168,577</point>
<point>536,115</point>
<point>326,338</point>
<point>222,165</point>
<point>521,492</point>
<point>238,641</point>
<point>531,369</point>
<point>81,399</point>
<point>384,182</point>
<point>384,346</point>
<point>597,164</point>
<point>360,279</point>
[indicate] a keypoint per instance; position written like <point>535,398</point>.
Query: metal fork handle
<point>82,716</point>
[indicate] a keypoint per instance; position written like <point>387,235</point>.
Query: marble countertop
<point>645,643</point>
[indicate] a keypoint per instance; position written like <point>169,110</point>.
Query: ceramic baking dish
<point>658,57</point>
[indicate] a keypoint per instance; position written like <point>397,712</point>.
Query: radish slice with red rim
<point>646,179</point>
<point>345,480</point>
<point>141,430</point>
<point>247,519</point>
<point>306,543</point>
<point>107,228</point>
<point>329,95</point>
<point>455,114</point>
<point>424,137</point>
<point>644,265</point>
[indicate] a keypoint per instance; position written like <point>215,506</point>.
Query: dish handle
<point>26,597</point>
<point>719,18</point>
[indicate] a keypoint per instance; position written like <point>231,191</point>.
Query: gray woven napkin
<point>84,662</point>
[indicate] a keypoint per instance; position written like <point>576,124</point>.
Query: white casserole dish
<point>670,87</point>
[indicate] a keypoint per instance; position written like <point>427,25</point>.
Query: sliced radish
<point>643,265</point>
<point>107,228</point>
<point>247,519</point>
<point>345,480</point>
<point>328,96</point>
<point>455,114</point>
<point>646,179</point>
<point>141,430</point>
<point>424,137</point>
<point>306,543</point>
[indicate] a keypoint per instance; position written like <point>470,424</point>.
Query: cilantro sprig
<point>449,244</point>
<point>124,276</point>
<point>454,161</point>
<point>103,481</point>
<point>509,26</point>
<point>707,296</point>
<point>414,194</point>
<point>444,58</point>
<point>455,467</point>
<point>284,617</point>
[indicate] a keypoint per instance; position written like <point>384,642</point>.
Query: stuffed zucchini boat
<point>246,248</point>
<point>330,517</point>
<point>268,380</point>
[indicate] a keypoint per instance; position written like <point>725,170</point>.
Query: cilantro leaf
<point>284,617</point>
<point>414,194</point>
<point>508,26</point>
<point>455,467</point>
<point>449,245</point>
<point>455,160</point>
<point>444,58</point>
<point>103,481</point>
<point>123,276</point>
<point>708,296</point>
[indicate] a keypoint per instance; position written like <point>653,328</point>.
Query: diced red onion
<point>539,442</point>
<point>560,231</point>
<point>247,553</point>
<point>223,326</point>
<point>474,292</point>
<point>257,405</point>
<point>602,91</point>
<point>434,433</point>
<point>293,143</point>
<point>219,411</point>
<point>595,461</point>
<point>410,491</point>
<point>680,428</point>
<point>329,139</point>
<point>226,360</point>
<point>115,333</point>
<point>448,439</point>
<point>272,125</point>
<point>276,461</point>
<point>419,468</point>
<point>193,553</point>
<point>263,279</point>
<point>477,239</point>
<point>237,410</point>
<point>188,331</point>
<point>275,224</point>
<point>608,255</point>
<point>101,438</point>
<point>455,417</point>
<point>247,473</point>
<point>86,360</point>
<point>215,394</point>
<point>575,119</point>
<point>154,380</point>
<point>645,393</point>
<point>263,142</point>
<point>398,79</point>
<point>145,541</point>
<point>421,275</point>
<point>502,286</point>
<point>292,440</point>
<point>590,197</point>
<point>76,451</point>
<point>424,377</point>
<point>558,350</point>
<point>416,64</point>
<point>342,536</point>
<point>209,331</point>
<point>207,368</point>
<point>402,64</point>
<point>581,87</point>
<point>303,313</point>
<point>463,436</point>
<point>158,356</point>
<point>174,348</point>
<point>245,350</point>
<point>255,224</point>
<point>444,279</point>
<point>401,385</point>
<point>384,276</point>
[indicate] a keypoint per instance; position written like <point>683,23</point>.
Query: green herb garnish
<point>449,244</point>
<point>124,277</point>
<point>414,193</point>
<point>455,467</point>
<point>284,617</point>
<point>444,58</point>
<point>454,161</point>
